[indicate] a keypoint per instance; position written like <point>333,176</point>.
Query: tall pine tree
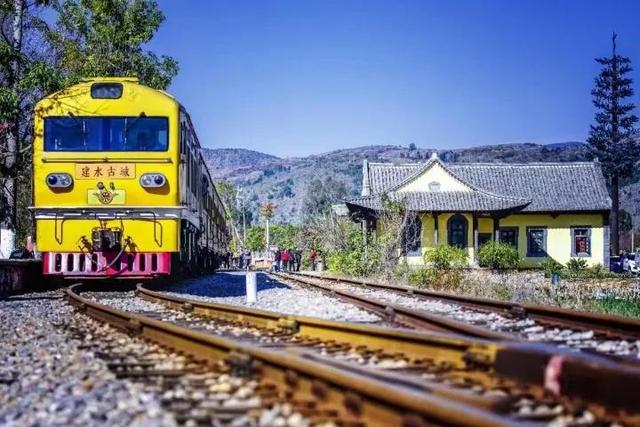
<point>613,138</point>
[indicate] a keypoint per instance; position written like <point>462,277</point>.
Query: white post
<point>7,242</point>
<point>251,287</point>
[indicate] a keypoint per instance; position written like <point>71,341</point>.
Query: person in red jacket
<point>284,257</point>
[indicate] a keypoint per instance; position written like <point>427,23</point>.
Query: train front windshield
<point>75,133</point>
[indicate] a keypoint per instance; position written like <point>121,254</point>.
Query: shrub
<point>445,256</point>
<point>422,277</point>
<point>581,271</point>
<point>599,272</point>
<point>498,255</point>
<point>354,259</point>
<point>444,280</point>
<point>551,266</point>
<point>576,265</point>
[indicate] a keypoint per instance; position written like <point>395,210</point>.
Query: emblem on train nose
<point>104,195</point>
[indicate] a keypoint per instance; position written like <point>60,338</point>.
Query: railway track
<point>615,336</point>
<point>370,375</point>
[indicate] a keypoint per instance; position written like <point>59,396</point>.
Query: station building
<point>557,210</point>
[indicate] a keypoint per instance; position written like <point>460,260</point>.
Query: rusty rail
<point>401,314</point>
<point>363,397</point>
<point>604,324</point>
<point>580,377</point>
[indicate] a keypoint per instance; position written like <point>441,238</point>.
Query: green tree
<point>285,235</point>
<point>239,211</point>
<point>25,75</point>
<point>255,238</point>
<point>320,194</point>
<point>93,38</point>
<point>227,192</point>
<point>612,138</point>
<point>267,210</point>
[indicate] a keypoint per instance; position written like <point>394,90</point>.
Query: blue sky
<point>298,77</point>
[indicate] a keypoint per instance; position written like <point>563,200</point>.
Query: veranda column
<point>365,230</point>
<point>435,229</point>
<point>475,239</point>
<point>496,229</point>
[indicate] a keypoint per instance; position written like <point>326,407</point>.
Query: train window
<point>75,133</point>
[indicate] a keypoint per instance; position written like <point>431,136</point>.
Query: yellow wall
<point>558,234</point>
<point>435,173</point>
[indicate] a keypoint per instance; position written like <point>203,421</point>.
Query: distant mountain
<point>284,180</point>
<point>231,159</point>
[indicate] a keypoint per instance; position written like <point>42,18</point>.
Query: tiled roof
<point>446,201</point>
<point>383,176</point>
<point>549,187</point>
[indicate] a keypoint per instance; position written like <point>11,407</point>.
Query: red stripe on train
<point>105,264</point>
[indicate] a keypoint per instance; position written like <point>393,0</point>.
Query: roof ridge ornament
<point>366,186</point>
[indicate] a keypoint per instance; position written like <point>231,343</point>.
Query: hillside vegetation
<point>283,181</point>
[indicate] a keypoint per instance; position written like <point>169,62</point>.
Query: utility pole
<point>267,230</point>
<point>633,236</point>
<point>9,182</point>
<point>240,198</point>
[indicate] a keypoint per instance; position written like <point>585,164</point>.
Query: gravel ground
<point>54,372</point>
<point>46,379</point>
<point>229,288</point>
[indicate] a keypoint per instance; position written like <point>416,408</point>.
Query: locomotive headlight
<point>59,180</point>
<point>152,180</point>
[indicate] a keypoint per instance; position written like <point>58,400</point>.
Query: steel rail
<point>414,344</point>
<point>605,324</point>
<point>362,397</point>
<point>403,315</point>
<point>582,377</point>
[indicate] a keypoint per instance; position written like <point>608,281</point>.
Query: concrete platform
<point>19,275</point>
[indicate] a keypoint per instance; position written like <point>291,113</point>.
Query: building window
<point>411,237</point>
<point>457,227</point>
<point>483,238</point>
<point>536,242</point>
<point>581,241</point>
<point>509,235</point>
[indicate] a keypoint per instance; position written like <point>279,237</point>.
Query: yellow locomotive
<point>120,185</point>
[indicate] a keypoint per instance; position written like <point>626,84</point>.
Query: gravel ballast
<point>526,328</point>
<point>229,288</point>
<point>47,378</point>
